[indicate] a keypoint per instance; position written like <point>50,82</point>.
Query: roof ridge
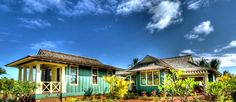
<point>177,57</point>
<point>67,54</point>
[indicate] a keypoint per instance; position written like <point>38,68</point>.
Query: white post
<point>31,74</point>
<point>25,74</point>
<point>38,79</point>
<point>63,80</point>
<point>20,74</point>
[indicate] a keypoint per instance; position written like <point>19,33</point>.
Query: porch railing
<point>50,87</point>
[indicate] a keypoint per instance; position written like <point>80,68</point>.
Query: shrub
<point>174,85</point>
<point>118,87</point>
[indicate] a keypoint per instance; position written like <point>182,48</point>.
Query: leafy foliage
<point>2,71</point>
<point>11,87</point>
<point>224,89</point>
<point>118,86</point>
<point>215,63</point>
<point>174,85</point>
<point>134,61</point>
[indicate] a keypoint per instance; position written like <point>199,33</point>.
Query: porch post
<point>25,74</point>
<point>20,74</point>
<point>38,79</point>
<point>31,74</point>
<point>54,76</point>
<point>206,79</point>
<point>63,80</point>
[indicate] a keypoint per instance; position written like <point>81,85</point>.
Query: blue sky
<point>116,31</point>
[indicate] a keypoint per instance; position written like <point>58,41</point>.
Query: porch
<point>49,76</point>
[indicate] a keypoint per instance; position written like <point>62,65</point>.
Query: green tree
<point>215,63</point>
<point>134,61</point>
<point>7,86</point>
<point>2,71</point>
<point>203,63</point>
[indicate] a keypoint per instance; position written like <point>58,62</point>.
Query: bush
<point>224,89</point>
<point>118,87</point>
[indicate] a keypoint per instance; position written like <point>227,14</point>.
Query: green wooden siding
<point>85,86</point>
<point>148,89</point>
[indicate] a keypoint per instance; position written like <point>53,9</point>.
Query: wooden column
<point>38,79</point>
<point>25,74</point>
<point>31,74</point>
<point>206,79</point>
<point>63,79</point>
<point>20,74</point>
<point>54,74</point>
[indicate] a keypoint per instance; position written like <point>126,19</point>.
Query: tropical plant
<point>203,63</point>
<point>174,85</point>
<point>7,86</point>
<point>223,90</point>
<point>2,71</point>
<point>215,63</point>
<point>134,61</point>
<point>118,87</point>
<point>25,90</point>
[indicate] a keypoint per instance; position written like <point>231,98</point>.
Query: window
<point>156,77</point>
<point>109,72</point>
<point>74,75</point>
<point>150,78</point>
<point>143,78</point>
<point>95,76</point>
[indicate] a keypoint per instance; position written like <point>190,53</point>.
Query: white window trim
<point>92,76</point>
<point>152,78</point>
<point>77,82</point>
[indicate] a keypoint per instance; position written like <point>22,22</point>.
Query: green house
<point>150,72</point>
<point>61,77</point>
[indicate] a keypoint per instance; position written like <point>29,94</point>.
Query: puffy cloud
<point>187,51</point>
<point>198,32</point>
<point>232,44</point>
<point>227,60</point>
<point>164,14</point>
<point>34,23</point>
<point>4,8</point>
<point>130,6</point>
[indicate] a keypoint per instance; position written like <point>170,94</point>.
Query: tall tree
<point>134,61</point>
<point>203,63</point>
<point>2,71</point>
<point>215,63</point>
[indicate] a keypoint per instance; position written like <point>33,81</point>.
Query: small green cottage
<point>148,73</point>
<point>60,77</point>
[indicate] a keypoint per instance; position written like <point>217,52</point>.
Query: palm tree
<point>215,63</point>
<point>2,71</point>
<point>203,63</point>
<point>135,61</point>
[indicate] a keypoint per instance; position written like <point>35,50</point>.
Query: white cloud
<point>187,51</point>
<point>129,6</point>
<point>196,4</point>
<point>34,23</point>
<point>164,14</point>
<point>200,31</point>
<point>44,45</point>
<point>49,44</point>
<point>227,60</point>
<point>232,44</point>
